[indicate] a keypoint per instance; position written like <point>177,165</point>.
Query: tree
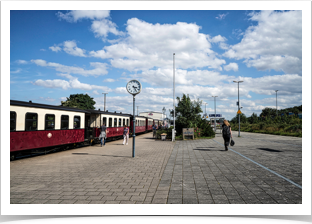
<point>253,118</point>
<point>243,119</point>
<point>81,101</point>
<point>268,112</point>
<point>188,113</point>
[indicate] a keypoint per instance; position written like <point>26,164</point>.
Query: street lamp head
<point>238,81</point>
<point>276,90</point>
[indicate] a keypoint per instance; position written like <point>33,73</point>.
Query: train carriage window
<point>115,122</point>
<point>110,122</point>
<point>104,121</point>
<point>77,122</point>
<point>12,121</point>
<point>127,122</point>
<point>124,121</point>
<point>119,123</point>
<point>49,122</point>
<point>64,122</point>
<point>31,121</point>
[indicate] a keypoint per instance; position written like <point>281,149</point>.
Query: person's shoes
<point>127,144</point>
<point>226,148</point>
<point>101,145</point>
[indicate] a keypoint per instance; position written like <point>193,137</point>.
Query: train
<point>36,127</point>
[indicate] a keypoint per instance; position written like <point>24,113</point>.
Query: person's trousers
<point>103,141</point>
<point>227,139</point>
<point>126,139</point>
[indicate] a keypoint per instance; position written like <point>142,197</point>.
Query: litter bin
<point>163,136</point>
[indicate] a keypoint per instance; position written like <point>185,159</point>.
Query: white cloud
<point>70,47</point>
<point>55,48</point>
<point>231,66</point>
<point>21,62</point>
<point>222,16</point>
<point>153,46</point>
<point>288,84</point>
<point>109,80</point>
<point>56,83</point>
<point>16,71</point>
<point>73,83</point>
<point>217,39</point>
<point>47,99</point>
<point>103,27</point>
<point>75,15</point>
<point>100,68</point>
<point>275,43</point>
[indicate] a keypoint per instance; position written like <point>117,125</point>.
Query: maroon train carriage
<point>34,126</point>
<point>114,122</point>
<point>37,127</point>
<point>149,124</point>
<point>140,124</point>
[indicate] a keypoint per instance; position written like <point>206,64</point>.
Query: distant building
<point>154,115</point>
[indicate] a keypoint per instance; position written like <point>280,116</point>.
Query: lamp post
<point>215,113</point>
<point>137,110</point>
<point>238,104</point>
<point>205,115</point>
<point>173,131</point>
<point>104,101</point>
<point>276,102</point>
<point>164,112</point>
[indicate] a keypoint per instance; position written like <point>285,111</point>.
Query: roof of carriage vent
<point>106,112</point>
<point>45,106</point>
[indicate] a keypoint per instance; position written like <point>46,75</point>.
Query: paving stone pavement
<point>164,172</point>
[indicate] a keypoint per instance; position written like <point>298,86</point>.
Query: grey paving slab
<point>165,172</point>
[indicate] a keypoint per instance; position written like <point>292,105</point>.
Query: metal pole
<point>137,110</point>
<point>104,101</point>
<point>239,113</point>
<point>215,118</point>
<point>238,109</point>
<point>215,114</point>
<point>133,142</point>
<point>173,134</point>
<point>276,102</point>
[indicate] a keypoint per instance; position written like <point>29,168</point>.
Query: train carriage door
<point>88,129</point>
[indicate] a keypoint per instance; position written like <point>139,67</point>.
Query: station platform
<point>258,169</point>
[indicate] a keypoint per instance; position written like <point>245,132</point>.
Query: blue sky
<point>57,53</point>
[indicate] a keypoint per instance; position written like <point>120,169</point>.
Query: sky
<point>56,53</point>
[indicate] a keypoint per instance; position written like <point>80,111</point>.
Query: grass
<point>274,129</point>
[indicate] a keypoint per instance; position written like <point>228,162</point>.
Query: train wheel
<point>12,157</point>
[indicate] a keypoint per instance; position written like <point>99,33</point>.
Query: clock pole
<point>133,87</point>
<point>133,142</point>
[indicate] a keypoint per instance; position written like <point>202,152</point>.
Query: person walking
<point>103,134</point>
<point>226,133</point>
<point>154,131</point>
<point>126,135</point>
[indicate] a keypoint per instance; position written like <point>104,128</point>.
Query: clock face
<point>134,87</point>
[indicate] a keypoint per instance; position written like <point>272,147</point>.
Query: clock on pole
<point>133,87</point>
